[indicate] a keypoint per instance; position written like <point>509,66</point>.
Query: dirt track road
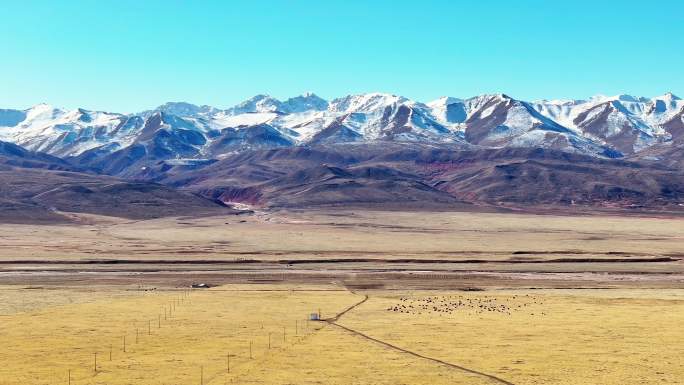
<point>333,321</point>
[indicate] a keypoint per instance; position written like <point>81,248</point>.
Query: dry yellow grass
<point>41,346</point>
<point>556,337</point>
<point>567,337</point>
<point>342,234</point>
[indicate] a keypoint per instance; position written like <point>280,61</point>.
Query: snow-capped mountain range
<point>601,126</point>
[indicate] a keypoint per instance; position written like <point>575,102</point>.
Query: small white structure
<point>314,317</point>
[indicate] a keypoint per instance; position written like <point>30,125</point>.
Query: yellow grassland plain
<point>620,336</point>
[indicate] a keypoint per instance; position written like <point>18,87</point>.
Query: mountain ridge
<point>603,120</point>
<point>128,144</point>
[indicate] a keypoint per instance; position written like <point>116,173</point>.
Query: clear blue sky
<point>131,55</point>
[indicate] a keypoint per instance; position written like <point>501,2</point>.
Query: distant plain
<point>406,298</point>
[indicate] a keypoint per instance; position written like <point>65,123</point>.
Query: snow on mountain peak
<point>618,98</point>
<point>42,109</point>
<point>366,102</point>
<point>489,119</point>
<point>559,102</point>
<point>257,103</point>
<point>42,106</point>
<point>448,110</point>
<point>668,97</point>
<point>625,98</point>
<point>443,101</point>
<point>185,109</point>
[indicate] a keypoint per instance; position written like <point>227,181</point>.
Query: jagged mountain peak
<point>490,97</point>
<point>366,102</point>
<point>477,102</point>
<point>624,123</point>
<point>668,96</point>
<point>42,109</point>
<point>258,98</point>
<point>257,103</point>
<point>309,94</point>
<point>305,102</point>
<point>185,109</point>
